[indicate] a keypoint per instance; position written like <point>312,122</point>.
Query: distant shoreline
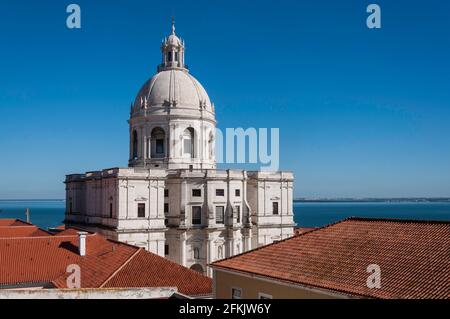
<point>374,200</point>
<point>306,200</point>
<point>32,200</point>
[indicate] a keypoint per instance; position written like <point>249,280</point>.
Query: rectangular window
<point>166,193</point>
<point>238,213</point>
<point>196,193</point>
<point>166,208</point>
<point>166,250</point>
<point>70,207</point>
<point>159,146</point>
<point>237,192</point>
<point>169,56</point>
<point>220,214</point>
<point>236,293</point>
<point>220,192</point>
<point>196,215</point>
<point>141,210</point>
<point>110,210</point>
<point>176,56</point>
<point>275,208</point>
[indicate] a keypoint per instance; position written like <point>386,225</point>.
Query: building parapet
<point>97,293</point>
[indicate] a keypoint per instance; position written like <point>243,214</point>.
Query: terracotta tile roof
<point>149,270</point>
<point>414,257</point>
<point>43,259</point>
<point>12,222</point>
<point>19,228</point>
<point>302,230</point>
<point>27,260</point>
<point>22,231</point>
<point>69,232</point>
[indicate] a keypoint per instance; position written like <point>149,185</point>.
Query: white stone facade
<point>172,200</point>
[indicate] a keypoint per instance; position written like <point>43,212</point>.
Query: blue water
<point>51,213</point>
<point>45,214</point>
<point>319,214</point>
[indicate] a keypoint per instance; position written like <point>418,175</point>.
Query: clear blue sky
<point>361,112</point>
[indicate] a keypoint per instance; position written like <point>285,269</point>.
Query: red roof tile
<point>12,222</point>
<point>149,270</point>
<point>22,231</point>
<point>68,232</point>
<point>414,257</point>
<point>302,230</point>
<point>26,259</point>
<point>43,259</point>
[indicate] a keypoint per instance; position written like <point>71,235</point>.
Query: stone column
<point>209,256</point>
<point>183,193</point>
<point>182,260</point>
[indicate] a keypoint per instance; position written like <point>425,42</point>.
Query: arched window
<point>188,143</point>
<point>197,268</point>
<point>135,144</point>
<point>158,138</point>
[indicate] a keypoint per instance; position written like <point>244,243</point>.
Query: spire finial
<point>173,25</point>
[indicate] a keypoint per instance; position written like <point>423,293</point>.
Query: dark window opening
<point>196,192</point>
<point>196,215</point>
<point>196,253</point>
<point>220,192</point>
<point>110,210</point>
<point>159,146</point>
<point>166,193</point>
<point>166,250</point>
<point>166,208</point>
<point>275,208</point>
<point>237,192</point>
<point>238,214</point>
<point>70,207</point>
<point>135,144</point>
<point>169,56</point>
<point>141,210</point>
<point>220,214</point>
<point>176,56</point>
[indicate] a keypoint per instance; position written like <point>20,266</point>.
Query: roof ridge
<point>50,236</point>
<point>120,267</point>
<point>18,226</point>
<point>399,220</point>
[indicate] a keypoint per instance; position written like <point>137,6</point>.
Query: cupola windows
<point>157,142</point>
<point>188,143</point>
<point>173,52</point>
<point>135,145</point>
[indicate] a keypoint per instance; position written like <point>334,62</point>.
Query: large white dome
<point>173,88</point>
<point>172,120</point>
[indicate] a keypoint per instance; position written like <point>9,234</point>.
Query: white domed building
<point>172,200</point>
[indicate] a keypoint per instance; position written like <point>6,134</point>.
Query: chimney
<point>82,242</point>
<point>27,214</point>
